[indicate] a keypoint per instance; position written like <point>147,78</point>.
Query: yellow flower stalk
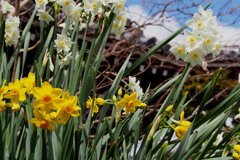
<point>129,102</point>
<point>16,93</point>
<point>46,95</point>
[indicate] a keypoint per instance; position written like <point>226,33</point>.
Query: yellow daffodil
<point>16,93</point>
<point>40,121</point>
<point>46,95</point>
<point>67,107</point>
<point>182,128</point>
<point>237,148</point>
<point>236,155</point>
<point>29,82</point>
<point>95,103</point>
<point>129,102</point>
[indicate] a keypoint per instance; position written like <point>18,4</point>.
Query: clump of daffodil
<point>236,153</point>
<point>3,90</point>
<point>182,128</point>
<point>16,93</point>
<point>130,103</point>
<point>52,106</point>
<point>94,103</point>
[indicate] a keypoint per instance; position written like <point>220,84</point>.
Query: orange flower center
<point>131,104</point>
<point>14,91</point>
<point>68,109</point>
<point>47,99</point>
<point>44,124</point>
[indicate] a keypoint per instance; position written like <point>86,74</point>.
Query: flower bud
<point>169,108</point>
<point>120,92</point>
<point>100,101</point>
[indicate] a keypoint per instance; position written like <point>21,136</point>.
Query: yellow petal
<point>122,103</point>
<point>57,92</point>
<point>133,96</point>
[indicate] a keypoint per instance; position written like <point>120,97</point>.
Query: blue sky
<point>218,7</point>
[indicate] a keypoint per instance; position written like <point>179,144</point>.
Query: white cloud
<point>137,13</point>
<point>230,35</point>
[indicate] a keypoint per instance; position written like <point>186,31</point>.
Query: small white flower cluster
<point>63,44</point>
<point>6,7</point>
<point>11,30</point>
<point>118,6</point>
<point>134,86</point>
<point>203,39</point>
<point>11,25</point>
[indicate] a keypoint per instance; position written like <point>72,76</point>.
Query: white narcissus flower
<point>6,7</point>
<point>179,49</point>
<point>12,23</point>
<point>195,56</point>
<point>192,39</point>
<point>208,41</point>
<point>41,4</point>
<point>216,49</point>
<point>119,6</point>
<point>66,59</point>
<point>93,6</point>
<point>67,5</point>
<point>75,13</point>
<point>44,16</point>
<point>63,43</point>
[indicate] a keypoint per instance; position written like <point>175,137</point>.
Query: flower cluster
<point>134,86</point>
<point>236,153</point>
<point>95,103</point>
<point>16,91</point>
<point>182,128</point>
<point>118,7</point>
<point>204,38</point>
<point>11,30</point>
<point>11,25</point>
<point>6,7</point>
<point>53,106</point>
